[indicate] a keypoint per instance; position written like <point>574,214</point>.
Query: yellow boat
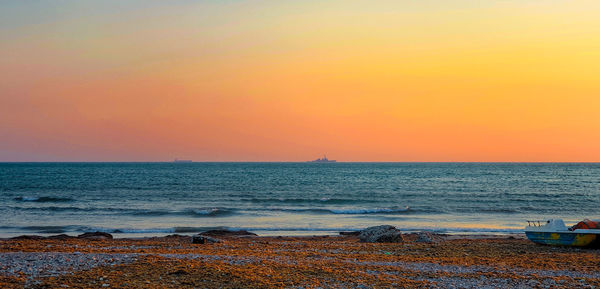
<point>555,232</point>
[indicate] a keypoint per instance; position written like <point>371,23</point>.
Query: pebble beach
<point>443,261</point>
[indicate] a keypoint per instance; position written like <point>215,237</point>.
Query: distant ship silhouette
<point>182,161</point>
<point>323,160</point>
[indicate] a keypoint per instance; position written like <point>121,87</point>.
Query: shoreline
<point>118,236</point>
<point>295,261</point>
<point>117,233</point>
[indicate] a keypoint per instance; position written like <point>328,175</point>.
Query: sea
<point>156,199</point>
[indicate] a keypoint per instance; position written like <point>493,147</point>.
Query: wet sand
<point>296,262</point>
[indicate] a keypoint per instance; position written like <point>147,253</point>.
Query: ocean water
<point>152,199</point>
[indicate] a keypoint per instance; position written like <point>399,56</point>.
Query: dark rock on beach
<point>426,237</point>
<point>207,237</point>
<point>179,272</point>
<point>37,237</point>
<point>350,233</point>
<point>200,239</point>
<point>96,236</point>
<point>176,236</point>
<point>60,237</point>
<point>381,234</point>
<point>28,237</point>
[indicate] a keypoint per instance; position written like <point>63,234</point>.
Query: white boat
<point>554,232</point>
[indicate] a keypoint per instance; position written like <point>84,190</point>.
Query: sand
<point>296,262</point>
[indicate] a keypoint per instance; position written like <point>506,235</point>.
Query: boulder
<point>176,236</point>
<point>200,239</point>
<point>95,236</point>
<point>227,233</point>
<point>179,272</point>
<point>425,237</point>
<point>350,233</point>
<point>381,234</point>
<point>28,237</point>
<point>36,237</point>
<point>60,237</point>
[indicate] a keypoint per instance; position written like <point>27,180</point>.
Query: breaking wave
<point>201,212</point>
<point>324,200</point>
<point>43,199</point>
<point>349,211</point>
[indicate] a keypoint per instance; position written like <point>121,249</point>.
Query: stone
<point>200,239</point>
<point>28,237</point>
<point>424,237</point>
<point>178,272</point>
<point>381,234</point>
<point>176,236</point>
<point>95,236</point>
<point>59,237</point>
<point>350,233</point>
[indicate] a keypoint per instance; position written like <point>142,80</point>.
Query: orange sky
<point>288,81</point>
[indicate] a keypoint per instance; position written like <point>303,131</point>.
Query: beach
<point>421,261</point>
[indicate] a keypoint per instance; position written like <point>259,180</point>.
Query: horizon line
<point>161,162</point>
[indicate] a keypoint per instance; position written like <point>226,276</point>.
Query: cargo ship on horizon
<point>323,160</point>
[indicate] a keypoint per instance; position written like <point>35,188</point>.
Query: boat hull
<point>563,239</point>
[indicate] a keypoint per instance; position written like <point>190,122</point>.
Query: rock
<point>185,238</point>
<point>381,234</point>
<point>425,237</point>
<point>199,239</point>
<point>59,237</point>
<point>28,237</point>
<point>351,233</point>
<point>95,236</point>
<point>36,237</point>
<point>226,233</point>
<point>178,272</point>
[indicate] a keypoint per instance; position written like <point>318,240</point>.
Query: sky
<point>272,80</point>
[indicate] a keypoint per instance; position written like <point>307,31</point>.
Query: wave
<point>228,211</point>
<point>303,200</point>
<point>43,199</point>
<point>505,210</point>
<point>393,210</point>
<point>68,209</point>
<point>346,211</point>
<point>219,211</point>
<point>212,212</point>
<point>201,212</point>
<point>46,229</point>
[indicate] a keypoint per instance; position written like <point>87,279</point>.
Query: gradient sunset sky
<point>376,80</point>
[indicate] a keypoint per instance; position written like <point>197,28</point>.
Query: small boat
<point>554,232</point>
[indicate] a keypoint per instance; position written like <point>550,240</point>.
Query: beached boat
<point>554,232</point>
